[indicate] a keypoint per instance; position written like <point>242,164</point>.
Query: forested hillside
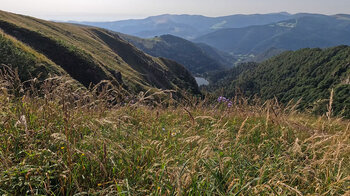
<point>307,74</point>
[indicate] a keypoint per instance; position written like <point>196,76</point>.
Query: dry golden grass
<point>60,140</point>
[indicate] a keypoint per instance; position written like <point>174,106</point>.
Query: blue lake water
<point>201,81</point>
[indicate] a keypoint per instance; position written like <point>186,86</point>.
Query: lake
<point>201,81</point>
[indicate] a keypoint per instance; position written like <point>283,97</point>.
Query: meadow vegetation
<point>57,139</point>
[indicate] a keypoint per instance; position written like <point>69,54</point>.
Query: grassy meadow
<point>56,139</point>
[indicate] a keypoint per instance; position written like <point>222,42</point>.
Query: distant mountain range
<point>304,31</point>
<point>186,26</point>
<point>197,58</point>
<point>244,34</point>
<point>88,55</point>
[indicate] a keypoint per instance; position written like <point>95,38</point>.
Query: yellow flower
<point>62,147</point>
<point>99,184</point>
<point>83,154</point>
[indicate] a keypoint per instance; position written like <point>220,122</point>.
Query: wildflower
<point>222,99</point>
<point>62,147</point>
<point>99,184</point>
<point>229,104</point>
<point>163,129</point>
<point>82,154</point>
<point>173,133</point>
<point>219,99</point>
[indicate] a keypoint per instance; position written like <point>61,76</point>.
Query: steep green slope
<point>29,62</point>
<point>302,32</point>
<point>90,55</point>
<point>193,57</point>
<point>307,74</point>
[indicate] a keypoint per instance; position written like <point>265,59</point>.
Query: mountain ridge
<point>90,55</point>
<point>304,31</point>
<point>197,58</point>
<point>185,26</point>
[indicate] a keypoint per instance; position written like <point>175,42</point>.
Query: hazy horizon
<point>109,10</point>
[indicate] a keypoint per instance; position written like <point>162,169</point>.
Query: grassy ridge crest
<point>91,55</point>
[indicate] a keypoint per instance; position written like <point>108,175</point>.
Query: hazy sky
<point>102,10</point>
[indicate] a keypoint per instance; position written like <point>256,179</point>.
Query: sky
<point>109,10</point>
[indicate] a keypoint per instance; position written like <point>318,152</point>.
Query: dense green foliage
<point>192,56</point>
<point>221,78</point>
<point>307,74</point>
<point>267,54</point>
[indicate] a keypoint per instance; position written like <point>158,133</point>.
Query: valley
<point>175,104</point>
<point>197,58</point>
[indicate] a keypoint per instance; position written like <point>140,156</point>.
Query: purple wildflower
<point>222,99</point>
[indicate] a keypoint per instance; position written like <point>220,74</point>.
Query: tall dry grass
<point>59,139</point>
